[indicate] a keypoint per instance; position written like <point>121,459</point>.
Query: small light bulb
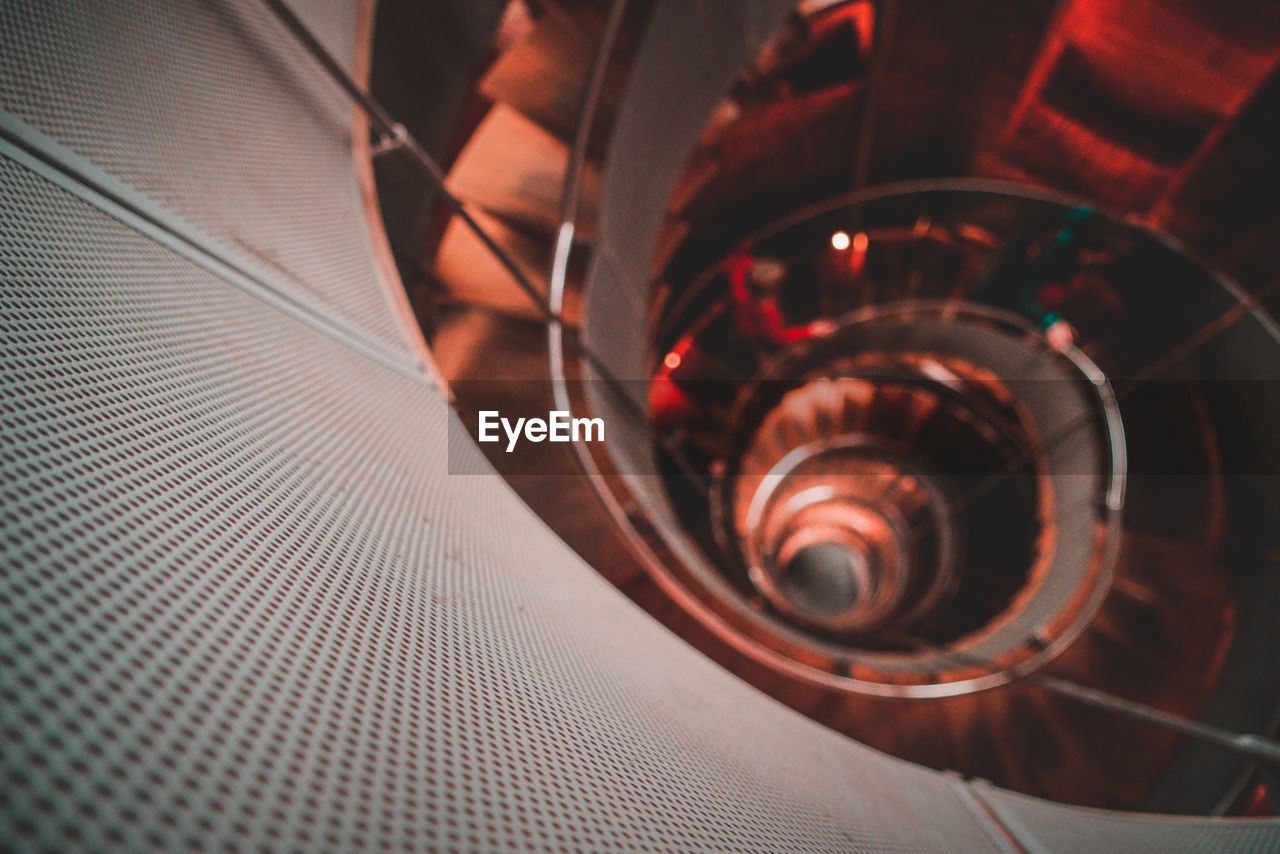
<point>672,361</point>
<point>840,241</point>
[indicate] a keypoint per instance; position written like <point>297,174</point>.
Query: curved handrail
<point>571,197</point>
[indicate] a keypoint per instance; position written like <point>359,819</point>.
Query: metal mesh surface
<point>210,110</point>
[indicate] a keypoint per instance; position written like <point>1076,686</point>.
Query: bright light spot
<point>860,242</point>
<point>840,241</point>
<point>672,361</point>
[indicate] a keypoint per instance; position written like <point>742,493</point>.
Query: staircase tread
<point>514,169</point>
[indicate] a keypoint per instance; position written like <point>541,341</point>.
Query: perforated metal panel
<point>211,111</point>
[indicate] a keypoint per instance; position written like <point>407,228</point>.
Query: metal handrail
<point>571,198</point>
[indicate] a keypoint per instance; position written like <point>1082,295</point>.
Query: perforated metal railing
<point>242,603</point>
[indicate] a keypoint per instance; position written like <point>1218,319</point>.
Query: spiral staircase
<point>259,589</point>
<point>1155,607</point>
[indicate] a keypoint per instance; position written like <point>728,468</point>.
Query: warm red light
<point>672,361</point>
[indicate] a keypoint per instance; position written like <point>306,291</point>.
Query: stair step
<point>1127,97</point>
<point>472,275</point>
<point>1170,57</point>
<point>513,169</point>
<point>776,147</point>
<point>542,74</point>
<point>1074,157</point>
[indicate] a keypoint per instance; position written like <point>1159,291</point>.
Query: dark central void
<point>825,578</point>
